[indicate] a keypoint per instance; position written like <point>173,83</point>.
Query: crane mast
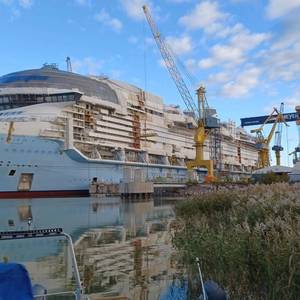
<point>198,111</point>
<point>278,136</point>
<point>69,64</point>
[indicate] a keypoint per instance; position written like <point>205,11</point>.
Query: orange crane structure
<point>203,115</point>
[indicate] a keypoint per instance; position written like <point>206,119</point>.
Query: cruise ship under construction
<point>59,131</point>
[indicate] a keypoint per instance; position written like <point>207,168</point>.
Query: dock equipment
<point>288,117</point>
<point>296,152</point>
<point>204,116</point>
<point>262,142</point>
<point>277,147</point>
<point>69,64</point>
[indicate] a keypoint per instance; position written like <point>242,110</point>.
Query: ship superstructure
<point>60,130</point>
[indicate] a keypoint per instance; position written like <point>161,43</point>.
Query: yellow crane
<point>263,143</point>
<point>203,115</point>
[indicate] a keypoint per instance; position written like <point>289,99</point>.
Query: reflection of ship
<point>115,264</point>
<point>123,249</point>
<point>132,259</point>
<point>25,213</point>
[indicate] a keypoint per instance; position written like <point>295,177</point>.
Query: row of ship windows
<point>13,172</point>
<point>17,165</point>
<point>16,99</point>
<point>32,151</point>
<point>19,140</point>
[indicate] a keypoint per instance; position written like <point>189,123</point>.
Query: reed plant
<point>248,240</point>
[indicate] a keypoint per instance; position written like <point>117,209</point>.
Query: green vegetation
<point>271,177</point>
<point>248,240</point>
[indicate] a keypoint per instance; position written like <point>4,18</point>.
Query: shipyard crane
<point>203,115</point>
<point>296,152</point>
<point>69,64</point>
<point>262,142</point>
<point>278,135</point>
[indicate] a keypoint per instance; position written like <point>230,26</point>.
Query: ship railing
<point>49,257</point>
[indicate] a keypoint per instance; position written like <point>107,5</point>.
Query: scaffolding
<point>215,148</point>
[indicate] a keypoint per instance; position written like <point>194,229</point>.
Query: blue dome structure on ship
<point>49,76</point>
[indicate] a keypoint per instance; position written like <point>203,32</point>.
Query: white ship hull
<point>46,169</point>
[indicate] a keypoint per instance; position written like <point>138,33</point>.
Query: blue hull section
<point>53,169</point>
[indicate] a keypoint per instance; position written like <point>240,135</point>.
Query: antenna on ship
<point>69,65</point>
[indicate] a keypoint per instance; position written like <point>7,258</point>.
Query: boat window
<point>19,100</point>
<point>12,173</point>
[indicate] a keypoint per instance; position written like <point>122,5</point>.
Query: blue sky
<point>246,52</point>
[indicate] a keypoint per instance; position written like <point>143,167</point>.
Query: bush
<point>248,241</point>
<point>271,177</point>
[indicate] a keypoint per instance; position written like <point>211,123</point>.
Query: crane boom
<point>171,65</point>
<point>200,111</point>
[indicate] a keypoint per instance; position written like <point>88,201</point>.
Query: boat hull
<point>52,171</point>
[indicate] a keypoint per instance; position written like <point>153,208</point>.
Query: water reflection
<point>123,249</point>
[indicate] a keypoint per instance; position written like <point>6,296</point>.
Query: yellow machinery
<point>200,137</point>
<point>203,115</point>
<point>262,142</point>
<point>10,132</point>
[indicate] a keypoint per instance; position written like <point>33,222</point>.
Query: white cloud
<point>223,54</point>
<point>220,77</point>
<point>20,3</point>
<point>289,32</point>
<point>104,18</point>
<point>83,2</point>
<point>115,74</point>
<point>235,51</point>
<point>179,1</point>
<point>246,40</point>
<point>206,15</point>
<point>243,84</point>
<point>25,3</point>
<point>181,45</point>
<point>283,64</point>
<point>6,2</point>
<point>132,39</point>
<point>279,8</point>
<point>87,65</point>
<point>191,65</point>
<point>134,8</point>
<point>293,101</point>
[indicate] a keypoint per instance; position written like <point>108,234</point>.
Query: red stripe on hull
<point>43,194</point>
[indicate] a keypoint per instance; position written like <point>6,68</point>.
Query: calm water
<point>123,249</point>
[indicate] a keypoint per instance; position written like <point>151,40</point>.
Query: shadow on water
<point>122,248</point>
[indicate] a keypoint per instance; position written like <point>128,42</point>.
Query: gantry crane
<point>262,142</point>
<point>203,115</point>
<point>296,152</point>
<point>69,64</point>
<point>278,135</point>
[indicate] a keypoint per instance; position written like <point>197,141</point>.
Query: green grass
<point>248,240</point>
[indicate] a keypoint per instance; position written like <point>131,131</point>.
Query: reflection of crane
<point>262,142</point>
<point>203,115</point>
